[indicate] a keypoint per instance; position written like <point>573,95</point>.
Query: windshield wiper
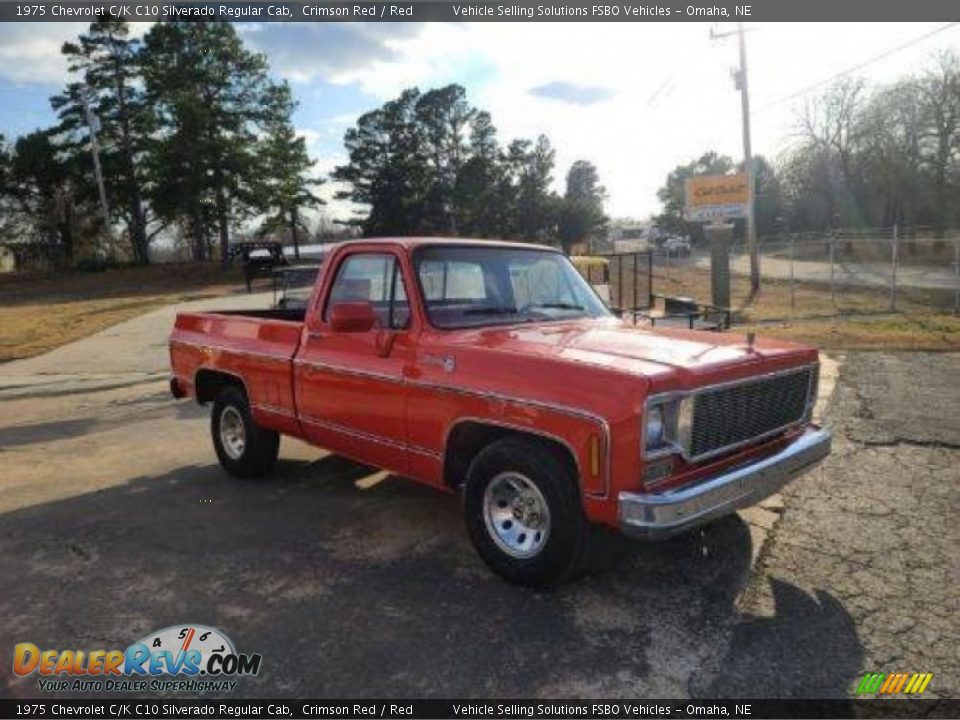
<point>490,311</point>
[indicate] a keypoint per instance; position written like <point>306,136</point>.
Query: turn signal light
<point>594,456</point>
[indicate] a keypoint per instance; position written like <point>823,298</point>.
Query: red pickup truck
<point>493,369</point>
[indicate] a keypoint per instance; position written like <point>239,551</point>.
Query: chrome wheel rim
<point>233,433</point>
<point>516,515</point>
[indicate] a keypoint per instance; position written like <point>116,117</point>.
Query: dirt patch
<point>852,319</point>
<point>42,312</point>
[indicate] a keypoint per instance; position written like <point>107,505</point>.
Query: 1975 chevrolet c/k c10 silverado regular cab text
<point>493,369</point>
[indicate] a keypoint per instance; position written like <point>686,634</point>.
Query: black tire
<point>260,446</point>
<point>563,548</point>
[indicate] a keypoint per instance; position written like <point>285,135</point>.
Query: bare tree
<point>939,91</point>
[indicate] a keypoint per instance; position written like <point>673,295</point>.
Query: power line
<point>859,66</point>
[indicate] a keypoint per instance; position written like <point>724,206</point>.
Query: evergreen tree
<point>581,215</point>
<point>106,62</point>
<point>212,97</point>
<point>285,190</point>
<point>536,208</point>
<point>7,207</point>
<point>387,169</point>
<point>443,118</point>
<point>483,194</point>
<point>42,185</point>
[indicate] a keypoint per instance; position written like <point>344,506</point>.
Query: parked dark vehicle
<point>259,259</point>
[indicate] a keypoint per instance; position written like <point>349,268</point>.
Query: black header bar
<point>487,11</point>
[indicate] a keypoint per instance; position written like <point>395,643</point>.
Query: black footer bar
<point>480,710</point>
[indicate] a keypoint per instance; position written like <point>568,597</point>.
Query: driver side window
<point>375,278</point>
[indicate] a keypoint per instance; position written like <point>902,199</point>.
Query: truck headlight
<point>667,424</point>
<point>654,428</point>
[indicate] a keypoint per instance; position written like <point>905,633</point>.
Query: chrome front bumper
<point>659,515</point>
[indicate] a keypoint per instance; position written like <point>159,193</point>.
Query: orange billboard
<point>711,197</point>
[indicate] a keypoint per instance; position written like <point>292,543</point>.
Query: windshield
<point>475,286</point>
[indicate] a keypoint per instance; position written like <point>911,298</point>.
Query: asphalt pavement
<point>115,520</point>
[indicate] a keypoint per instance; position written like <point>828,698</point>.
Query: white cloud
<point>671,96</point>
<point>30,52</point>
<point>304,51</point>
<point>668,91</point>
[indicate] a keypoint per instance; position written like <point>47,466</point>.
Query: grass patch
<point>39,312</point>
<point>850,319</point>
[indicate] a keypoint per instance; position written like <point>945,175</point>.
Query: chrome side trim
<point>273,409</point>
<point>677,449</point>
<point>489,395</point>
<point>661,515</point>
<point>342,370</point>
<point>517,428</point>
<point>223,348</point>
<point>379,439</point>
<point>553,407</point>
<point>563,409</point>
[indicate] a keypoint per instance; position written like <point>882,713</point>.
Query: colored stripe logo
<point>894,683</point>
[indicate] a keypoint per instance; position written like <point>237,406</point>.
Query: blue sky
<point>634,98</point>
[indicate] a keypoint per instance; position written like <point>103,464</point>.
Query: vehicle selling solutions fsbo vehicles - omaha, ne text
<point>493,369</point>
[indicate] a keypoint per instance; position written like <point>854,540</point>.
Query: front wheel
<point>523,513</point>
<point>245,449</point>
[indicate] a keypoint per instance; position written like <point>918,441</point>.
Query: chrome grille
<point>728,416</point>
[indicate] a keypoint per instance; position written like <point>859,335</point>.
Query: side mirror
<point>352,317</point>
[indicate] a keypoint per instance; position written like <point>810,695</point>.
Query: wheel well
<point>467,439</point>
<point>209,383</point>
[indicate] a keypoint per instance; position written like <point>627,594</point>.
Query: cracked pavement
<point>867,552</point>
<point>115,520</point>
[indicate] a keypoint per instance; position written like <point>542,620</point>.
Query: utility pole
<point>93,124</point>
<point>741,83</point>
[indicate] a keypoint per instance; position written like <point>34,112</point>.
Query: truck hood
<point>647,351</point>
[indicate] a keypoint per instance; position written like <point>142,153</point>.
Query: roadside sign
<point>716,197</point>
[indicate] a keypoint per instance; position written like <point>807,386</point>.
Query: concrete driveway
<point>130,353</point>
<point>115,520</point>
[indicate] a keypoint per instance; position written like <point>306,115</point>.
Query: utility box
<point>719,235</point>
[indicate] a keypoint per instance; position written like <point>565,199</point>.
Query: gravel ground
<point>115,521</point>
<point>862,573</point>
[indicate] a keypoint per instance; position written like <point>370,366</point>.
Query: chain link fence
<point>864,270</point>
<point>870,270</point>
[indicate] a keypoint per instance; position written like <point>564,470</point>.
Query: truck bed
<point>286,314</point>
<point>256,347</point>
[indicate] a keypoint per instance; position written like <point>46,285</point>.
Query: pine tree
<point>581,214</point>
<point>212,97</point>
<point>284,163</point>
<point>536,207</point>
<point>42,184</point>
<point>106,62</point>
<point>387,169</point>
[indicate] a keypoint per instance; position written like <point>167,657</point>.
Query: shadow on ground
<point>376,593</point>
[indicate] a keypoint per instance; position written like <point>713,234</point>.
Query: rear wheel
<point>523,513</point>
<point>245,450</point>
